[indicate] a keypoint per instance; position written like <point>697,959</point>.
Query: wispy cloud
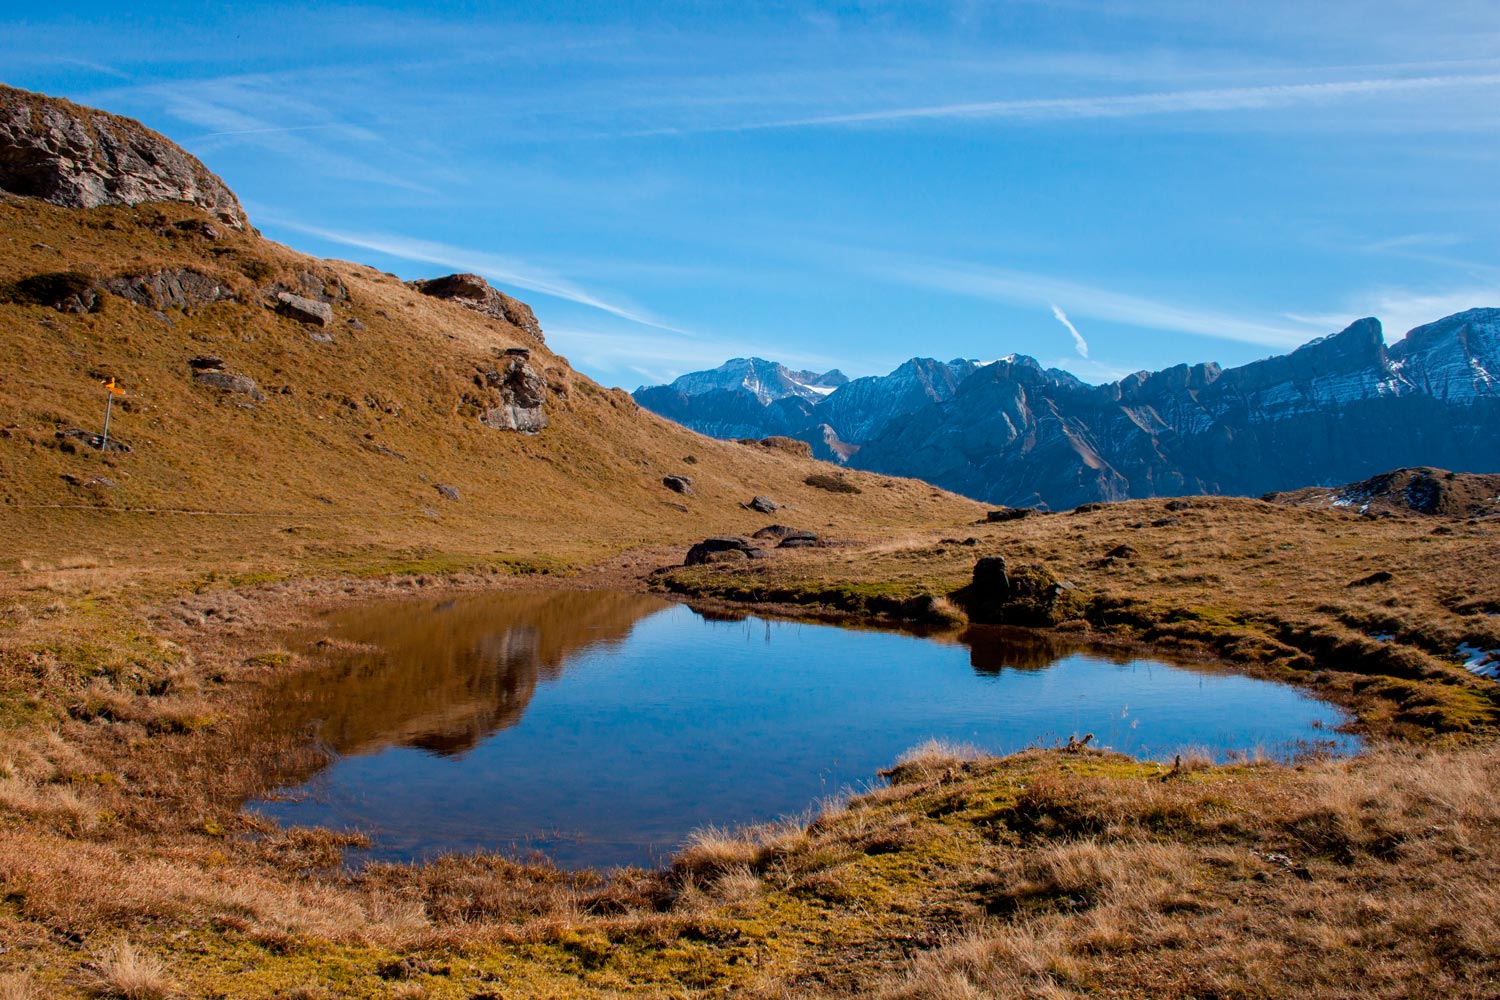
<point>1162,102</point>
<point>1402,310</point>
<point>1079,344</point>
<point>1030,288</point>
<point>507,271</point>
<point>235,109</point>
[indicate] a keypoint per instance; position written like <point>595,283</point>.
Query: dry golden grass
<point>18,986</point>
<point>127,973</point>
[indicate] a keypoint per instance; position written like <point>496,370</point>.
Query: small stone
<point>1381,576</point>
<point>762,505</point>
<point>447,492</point>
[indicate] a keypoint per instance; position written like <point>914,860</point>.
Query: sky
<point>1105,186</point>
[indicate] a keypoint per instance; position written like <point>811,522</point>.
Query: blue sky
<point>849,184</point>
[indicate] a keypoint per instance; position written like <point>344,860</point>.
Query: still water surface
<point>600,728</point>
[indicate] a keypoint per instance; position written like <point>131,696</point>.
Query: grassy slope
<point>311,453</point>
<point>1051,874</point>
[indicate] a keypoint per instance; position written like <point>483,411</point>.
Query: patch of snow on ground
<point>1484,662</point>
<point>1383,637</point>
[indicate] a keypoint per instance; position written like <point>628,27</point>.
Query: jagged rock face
<point>170,289</point>
<point>1338,409</point>
<point>473,292</point>
<point>515,397</point>
<point>864,409</point>
<point>743,398</point>
<point>80,157</point>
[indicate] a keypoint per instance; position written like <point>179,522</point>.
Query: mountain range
<point>1337,409</point>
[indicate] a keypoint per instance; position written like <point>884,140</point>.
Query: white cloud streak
<point>1401,311</point>
<point>1224,99</point>
<point>1031,289</point>
<point>1079,344</point>
<point>502,270</point>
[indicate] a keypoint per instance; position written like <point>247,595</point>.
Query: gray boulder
<point>230,382</point>
<point>678,484</point>
<point>724,548</point>
<point>303,309</point>
<point>762,505</point>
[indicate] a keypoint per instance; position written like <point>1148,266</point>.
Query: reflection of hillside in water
<point>442,676</point>
<point>994,649</point>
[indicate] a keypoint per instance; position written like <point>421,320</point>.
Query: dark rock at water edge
<point>724,548</point>
<point>1029,594</point>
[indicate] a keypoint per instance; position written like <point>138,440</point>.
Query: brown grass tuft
<point>129,974</point>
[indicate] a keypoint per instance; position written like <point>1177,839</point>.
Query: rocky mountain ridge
<point>1337,409</point>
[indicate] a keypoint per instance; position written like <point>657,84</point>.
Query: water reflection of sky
<point>603,728</point>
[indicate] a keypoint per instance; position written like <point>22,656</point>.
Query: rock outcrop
<point>169,289</point>
<point>1425,491</point>
<point>80,157</point>
<point>473,292</point>
<point>514,396</point>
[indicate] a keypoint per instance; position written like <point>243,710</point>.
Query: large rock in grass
<point>1029,594</point>
<point>725,548</point>
<point>80,157</point>
<point>303,309</point>
<point>473,292</point>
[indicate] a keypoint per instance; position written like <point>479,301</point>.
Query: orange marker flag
<point>114,389</point>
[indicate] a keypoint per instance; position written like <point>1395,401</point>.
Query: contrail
<point>1079,344</point>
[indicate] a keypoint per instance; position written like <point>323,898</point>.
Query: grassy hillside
<point>339,462</point>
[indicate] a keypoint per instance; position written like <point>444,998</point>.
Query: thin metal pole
<point>109,402</point>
